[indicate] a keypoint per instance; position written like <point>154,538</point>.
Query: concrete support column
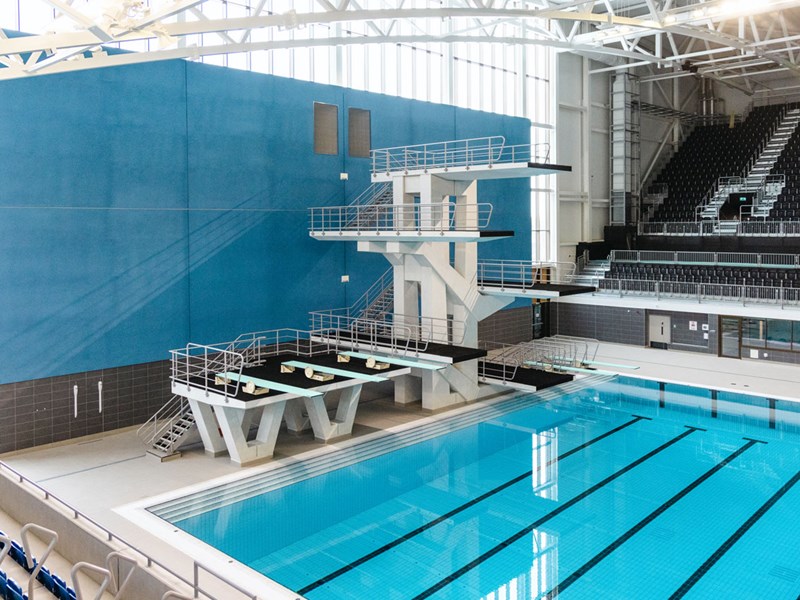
<point>326,430</point>
<point>213,441</point>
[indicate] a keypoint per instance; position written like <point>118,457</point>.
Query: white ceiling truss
<point>752,45</point>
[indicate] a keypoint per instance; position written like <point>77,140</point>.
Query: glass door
<point>730,337</point>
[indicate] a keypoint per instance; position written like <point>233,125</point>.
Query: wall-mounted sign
<point>692,325</point>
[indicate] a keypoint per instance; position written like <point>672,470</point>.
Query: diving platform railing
<point>549,354</point>
<point>197,365</point>
<point>702,292</point>
<point>474,152</point>
<point>420,330</point>
<point>523,274</point>
<point>409,218</point>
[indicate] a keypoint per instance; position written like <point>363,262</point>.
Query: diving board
<point>392,360</point>
<point>271,385</point>
<point>333,371</point>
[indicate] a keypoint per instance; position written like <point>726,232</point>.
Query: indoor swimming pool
<point>626,489</point>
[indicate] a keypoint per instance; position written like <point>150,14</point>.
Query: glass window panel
<point>358,132</point>
<point>754,333</point>
<point>779,334</point>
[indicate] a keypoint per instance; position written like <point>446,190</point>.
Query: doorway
<point>730,337</point>
<point>660,331</point>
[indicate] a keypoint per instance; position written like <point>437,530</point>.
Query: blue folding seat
<point>14,591</point>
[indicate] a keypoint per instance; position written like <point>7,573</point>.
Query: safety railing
<point>376,291</point>
<point>162,421</point>
<point>150,562</point>
<point>706,258</point>
<point>523,274</point>
<point>414,218</point>
<point>707,228</point>
<point>419,329</point>
<point>779,296</point>
<point>257,346</point>
<point>585,348</point>
<point>500,363</point>
<point>339,332</point>
<point>196,365</point>
<point>485,151</point>
<point>374,194</point>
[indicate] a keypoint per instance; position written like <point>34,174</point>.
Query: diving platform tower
<point>423,214</point>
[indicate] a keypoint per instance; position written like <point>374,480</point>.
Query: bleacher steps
<point>760,169</point>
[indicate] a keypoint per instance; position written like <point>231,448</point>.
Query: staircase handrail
<point>150,431</point>
<point>371,194</point>
<point>195,365</point>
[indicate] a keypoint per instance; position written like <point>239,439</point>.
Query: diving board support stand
<point>206,422</point>
<point>234,423</point>
<point>326,430</point>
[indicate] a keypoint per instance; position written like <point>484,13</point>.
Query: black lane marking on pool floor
<point>462,507</point>
<point>553,513</point>
<point>737,535</point>
<point>597,558</point>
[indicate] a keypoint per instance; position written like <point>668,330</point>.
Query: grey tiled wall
<point>41,411</point>
<point>510,326</point>
<point>684,338</point>
<point>605,323</point>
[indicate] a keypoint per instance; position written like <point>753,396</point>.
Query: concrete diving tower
<point>423,199</point>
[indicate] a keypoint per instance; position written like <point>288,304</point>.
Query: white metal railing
<point>419,330</point>
<point>150,562</point>
<point>485,151</point>
<point>375,193</point>
<point>419,218</point>
<point>196,365</point>
<point>373,293</point>
<point>707,258</point>
<point>780,296</point>
<point>340,331</point>
<point>523,273</point>
<point>163,420</point>
<point>740,228</point>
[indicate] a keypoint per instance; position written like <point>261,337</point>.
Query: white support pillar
<point>207,426</point>
<point>326,430</point>
<point>435,391</point>
<point>231,421</point>
<point>296,421</point>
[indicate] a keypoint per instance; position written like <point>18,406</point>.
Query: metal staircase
<point>757,178</point>
<point>592,272</point>
<point>381,306</point>
<point>168,429</point>
<point>369,201</point>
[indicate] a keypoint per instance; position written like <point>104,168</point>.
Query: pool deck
<point>116,472</point>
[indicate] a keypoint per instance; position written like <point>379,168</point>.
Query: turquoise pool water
<point>631,489</point>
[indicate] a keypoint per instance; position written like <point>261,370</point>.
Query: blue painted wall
<point>149,205</point>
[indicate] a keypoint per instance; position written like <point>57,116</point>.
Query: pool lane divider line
<point>605,552</point>
<point>446,516</point>
<point>553,513</point>
<point>737,535</point>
